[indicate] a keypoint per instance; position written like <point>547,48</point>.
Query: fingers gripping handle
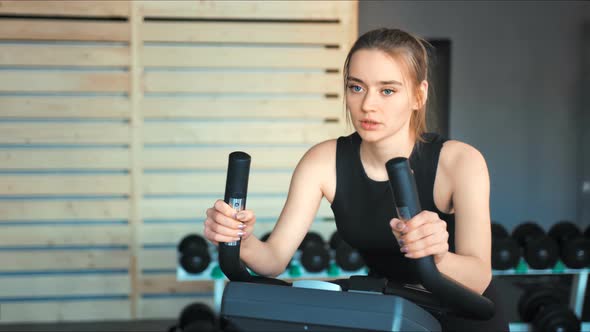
<point>236,184</point>
<point>236,190</point>
<point>450,292</point>
<point>403,187</point>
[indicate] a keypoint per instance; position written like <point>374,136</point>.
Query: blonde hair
<point>407,49</point>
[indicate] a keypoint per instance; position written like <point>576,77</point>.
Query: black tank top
<point>363,208</point>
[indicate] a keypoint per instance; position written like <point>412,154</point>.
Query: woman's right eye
<point>355,88</point>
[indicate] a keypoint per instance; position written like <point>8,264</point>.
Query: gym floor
<point>103,326</point>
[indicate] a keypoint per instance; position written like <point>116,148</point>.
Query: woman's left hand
<point>423,235</point>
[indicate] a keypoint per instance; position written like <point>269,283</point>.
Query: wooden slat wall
<point>116,121</point>
<point>64,161</point>
<point>215,87</point>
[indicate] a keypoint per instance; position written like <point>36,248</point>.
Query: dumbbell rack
<point>577,293</point>
<point>578,288</point>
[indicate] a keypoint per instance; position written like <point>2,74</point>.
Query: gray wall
<point>584,130</point>
<point>515,77</point>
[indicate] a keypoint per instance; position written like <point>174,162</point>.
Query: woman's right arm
<point>313,176</point>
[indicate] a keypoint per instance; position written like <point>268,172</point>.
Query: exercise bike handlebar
<point>449,292</point>
<point>236,190</point>
<point>463,300</point>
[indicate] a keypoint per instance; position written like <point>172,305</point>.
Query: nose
<point>369,103</point>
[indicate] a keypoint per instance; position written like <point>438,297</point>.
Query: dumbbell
<point>505,250</point>
<point>311,238</point>
<point>315,257</point>
<point>574,248</point>
<point>196,317</point>
<point>547,310</point>
<point>194,254</point>
<point>498,231</point>
<point>538,249</point>
<point>348,258</point>
<point>335,240</point>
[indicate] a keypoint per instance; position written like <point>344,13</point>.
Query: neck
<point>375,154</point>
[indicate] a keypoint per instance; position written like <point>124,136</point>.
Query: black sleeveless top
<point>363,208</point>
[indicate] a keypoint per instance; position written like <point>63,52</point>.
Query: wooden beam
<point>59,260</point>
<point>209,183</point>
<point>56,285</point>
<point>81,310</point>
<point>27,29</point>
<point>64,107</point>
<point>70,133</point>
<point>243,32</point>
<point>65,235</point>
<point>66,8</point>
<point>245,133</point>
<point>48,81</point>
<point>215,158</point>
<point>293,10</point>
<point>136,152</point>
<point>51,210</point>
<point>225,82</point>
<point>64,55</point>
<point>220,108</point>
<point>243,57</point>
<point>37,159</point>
<point>168,284</point>
<point>64,185</point>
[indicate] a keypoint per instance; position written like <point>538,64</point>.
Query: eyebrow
<point>394,82</point>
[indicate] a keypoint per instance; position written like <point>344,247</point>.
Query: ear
<point>422,91</point>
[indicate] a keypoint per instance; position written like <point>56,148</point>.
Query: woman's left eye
<point>388,92</point>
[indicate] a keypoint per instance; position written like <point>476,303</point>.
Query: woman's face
<point>379,99</point>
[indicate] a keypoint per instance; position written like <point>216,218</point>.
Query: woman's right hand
<point>225,224</point>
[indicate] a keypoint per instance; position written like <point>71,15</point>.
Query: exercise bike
<point>255,303</point>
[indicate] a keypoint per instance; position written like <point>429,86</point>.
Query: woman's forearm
<point>260,257</point>
<point>467,270</point>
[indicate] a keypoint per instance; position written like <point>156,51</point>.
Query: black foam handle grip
<point>238,172</point>
<point>451,293</point>
<point>236,190</point>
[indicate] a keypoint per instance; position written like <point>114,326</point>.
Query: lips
<point>369,124</point>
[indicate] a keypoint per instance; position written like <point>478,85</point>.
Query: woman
<point>386,87</point>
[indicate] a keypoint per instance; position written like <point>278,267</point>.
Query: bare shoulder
<point>466,177</point>
<point>317,168</point>
<point>321,154</point>
<point>459,158</point>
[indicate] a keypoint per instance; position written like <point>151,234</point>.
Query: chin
<point>370,136</point>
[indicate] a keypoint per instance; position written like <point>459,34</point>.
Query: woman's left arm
<point>471,262</point>
<point>464,170</point>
